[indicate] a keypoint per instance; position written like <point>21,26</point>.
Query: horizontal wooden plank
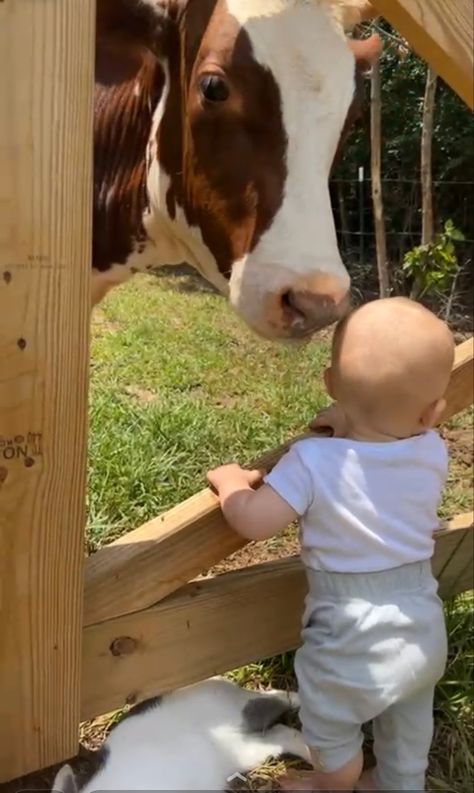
<point>217,624</point>
<point>458,575</point>
<point>460,393</point>
<point>441,32</point>
<point>453,562</point>
<point>151,562</point>
<point>208,627</point>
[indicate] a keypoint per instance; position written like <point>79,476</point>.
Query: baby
<point>373,638</point>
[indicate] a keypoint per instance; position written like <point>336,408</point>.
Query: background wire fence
<point>353,211</point>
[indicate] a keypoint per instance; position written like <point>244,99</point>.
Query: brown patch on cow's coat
<point>226,161</point>
<point>129,84</point>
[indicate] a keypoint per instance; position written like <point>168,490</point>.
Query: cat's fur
<point>196,738</point>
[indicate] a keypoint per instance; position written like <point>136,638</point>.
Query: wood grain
<point>217,624</point>
<point>151,562</point>
<point>205,628</point>
<point>453,561</point>
<point>442,33</point>
<point>460,393</point>
<point>46,84</point>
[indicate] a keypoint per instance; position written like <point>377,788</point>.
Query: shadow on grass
<point>184,279</point>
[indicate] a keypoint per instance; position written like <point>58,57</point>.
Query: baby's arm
<point>254,514</point>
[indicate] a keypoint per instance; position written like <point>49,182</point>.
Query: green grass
<point>179,385</point>
<point>452,757</point>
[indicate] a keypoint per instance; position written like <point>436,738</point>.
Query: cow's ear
<point>126,32</point>
<point>141,21</point>
<point>366,51</point>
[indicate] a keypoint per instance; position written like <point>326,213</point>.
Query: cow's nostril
<point>286,299</point>
<point>305,311</point>
<point>292,310</point>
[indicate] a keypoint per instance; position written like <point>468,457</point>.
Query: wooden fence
<point>70,649</point>
<point>146,630</point>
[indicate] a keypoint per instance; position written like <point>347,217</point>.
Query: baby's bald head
<point>391,364</point>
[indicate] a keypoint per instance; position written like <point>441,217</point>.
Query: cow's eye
<point>214,88</point>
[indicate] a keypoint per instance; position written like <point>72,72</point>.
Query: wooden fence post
<point>46,85</point>
<point>440,32</point>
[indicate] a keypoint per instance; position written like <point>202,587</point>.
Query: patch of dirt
<point>259,552</point>
<point>460,445</point>
<point>102,324</point>
<point>228,401</point>
<point>142,395</point>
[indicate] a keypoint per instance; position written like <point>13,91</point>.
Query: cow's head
<point>258,94</point>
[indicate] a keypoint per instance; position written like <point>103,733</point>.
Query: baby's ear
<point>431,417</point>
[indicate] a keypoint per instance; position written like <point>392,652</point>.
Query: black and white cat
<point>195,738</point>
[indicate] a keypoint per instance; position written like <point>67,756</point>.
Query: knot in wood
<point>123,645</point>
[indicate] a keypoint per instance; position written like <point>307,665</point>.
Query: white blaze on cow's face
<point>294,280</point>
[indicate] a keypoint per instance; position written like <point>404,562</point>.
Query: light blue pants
<point>374,647</point>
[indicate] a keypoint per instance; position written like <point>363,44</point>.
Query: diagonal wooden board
<point>442,33</point>
<point>221,623</point>
<point>158,558</point>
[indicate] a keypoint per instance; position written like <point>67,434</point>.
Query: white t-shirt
<point>364,507</point>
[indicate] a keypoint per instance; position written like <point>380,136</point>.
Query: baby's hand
<point>332,418</point>
<point>233,475</point>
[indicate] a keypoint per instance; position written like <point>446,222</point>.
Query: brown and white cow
<point>216,126</point>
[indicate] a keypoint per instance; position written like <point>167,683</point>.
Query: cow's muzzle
<point>304,312</point>
<point>280,303</point>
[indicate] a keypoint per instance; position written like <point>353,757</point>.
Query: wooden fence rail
<point>220,623</point>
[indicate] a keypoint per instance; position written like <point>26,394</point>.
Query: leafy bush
<point>431,268</point>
